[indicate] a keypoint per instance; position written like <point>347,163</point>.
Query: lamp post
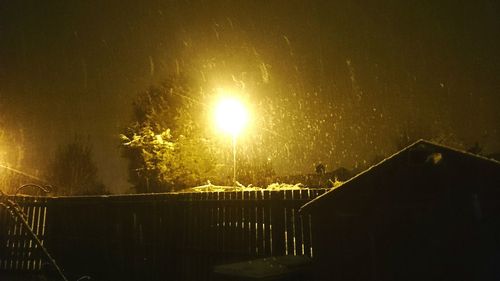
<point>231,117</point>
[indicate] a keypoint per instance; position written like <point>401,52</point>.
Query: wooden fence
<point>174,236</point>
<point>18,251</point>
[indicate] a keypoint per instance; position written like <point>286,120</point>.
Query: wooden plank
<point>299,226</point>
<point>277,214</point>
<point>252,227</point>
<point>3,237</point>
<point>31,214</point>
<point>238,247</point>
<point>239,212</point>
<point>297,238</point>
<point>243,227</point>
<point>210,254</point>
<point>225,225</point>
<point>202,230</point>
<point>268,234</point>
<point>218,226</point>
<point>24,238</point>
<point>230,251</point>
<point>261,235</point>
<point>288,223</point>
<point>188,255</point>
<point>305,226</point>
<point>192,257</point>
<point>175,227</point>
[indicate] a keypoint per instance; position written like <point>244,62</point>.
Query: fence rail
<point>150,237</point>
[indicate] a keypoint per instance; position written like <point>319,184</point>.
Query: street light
<point>231,117</point>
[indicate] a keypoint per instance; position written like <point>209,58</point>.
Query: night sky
<point>340,81</point>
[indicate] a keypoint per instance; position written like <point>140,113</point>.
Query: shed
<point>428,212</point>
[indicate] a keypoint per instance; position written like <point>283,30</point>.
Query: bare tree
<point>72,170</point>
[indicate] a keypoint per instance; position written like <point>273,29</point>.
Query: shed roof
<point>421,165</point>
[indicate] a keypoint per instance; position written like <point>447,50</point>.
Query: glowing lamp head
<point>231,116</point>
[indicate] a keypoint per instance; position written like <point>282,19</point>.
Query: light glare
<point>231,116</point>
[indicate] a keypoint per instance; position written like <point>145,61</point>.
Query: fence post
<point>278,223</point>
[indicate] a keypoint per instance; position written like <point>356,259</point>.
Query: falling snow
<point>335,82</point>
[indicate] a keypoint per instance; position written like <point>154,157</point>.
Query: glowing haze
<point>231,116</point>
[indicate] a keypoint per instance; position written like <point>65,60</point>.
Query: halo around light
<point>231,116</point>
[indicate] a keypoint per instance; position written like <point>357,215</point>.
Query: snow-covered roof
<point>407,161</point>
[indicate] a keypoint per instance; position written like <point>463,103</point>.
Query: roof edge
<point>414,144</point>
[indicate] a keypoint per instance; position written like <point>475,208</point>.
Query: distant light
<point>231,116</point>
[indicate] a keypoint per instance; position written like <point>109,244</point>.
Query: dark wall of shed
<point>412,220</point>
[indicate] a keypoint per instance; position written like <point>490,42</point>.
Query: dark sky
<point>352,76</point>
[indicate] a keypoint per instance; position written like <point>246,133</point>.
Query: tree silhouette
<point>165,145</point>
<point>72,170</point>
